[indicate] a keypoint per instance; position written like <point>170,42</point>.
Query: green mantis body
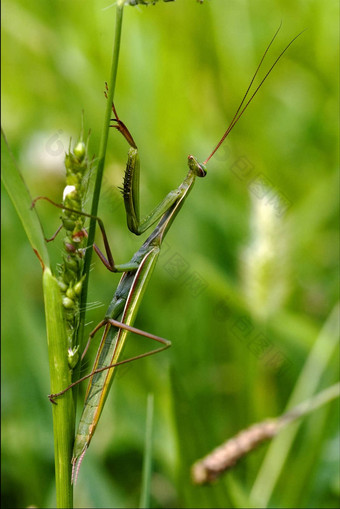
<point>126,300</point>
<point>123,308</point>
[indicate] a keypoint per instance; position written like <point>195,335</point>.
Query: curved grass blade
<point>314,368</point>
<point>21,199</point>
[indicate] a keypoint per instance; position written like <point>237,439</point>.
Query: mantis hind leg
<point>50,239</point>
<point>115,323</point>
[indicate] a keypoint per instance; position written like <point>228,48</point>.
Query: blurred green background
<point>247,284</point>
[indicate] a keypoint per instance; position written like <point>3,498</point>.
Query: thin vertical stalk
<point>99,175</point>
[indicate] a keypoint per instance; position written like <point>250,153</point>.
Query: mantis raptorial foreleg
<point>131,190</point>
<point>107,261</point>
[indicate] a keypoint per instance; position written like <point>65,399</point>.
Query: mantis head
<point>197,168</point>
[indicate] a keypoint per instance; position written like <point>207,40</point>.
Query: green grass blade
<point>307,383</point>
<point>63,411</point>
<point>100,165</point>
<point>147,463</point>
<point>21,199</point>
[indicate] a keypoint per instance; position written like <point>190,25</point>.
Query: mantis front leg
<point>131,192</point>
<point>108,261</point>
<point>130,188</point>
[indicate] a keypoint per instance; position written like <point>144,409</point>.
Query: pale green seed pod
<point>62,286</point>
<point>73,357</point>
<point>78,287</point>
<point>80,150</point>
<point>70,293</point>
<point>67,303</point>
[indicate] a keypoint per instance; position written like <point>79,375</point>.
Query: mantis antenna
<point>239,113</point>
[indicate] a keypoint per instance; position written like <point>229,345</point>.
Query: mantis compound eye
<point>199,169</point>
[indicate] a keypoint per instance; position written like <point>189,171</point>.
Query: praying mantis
<point>122,311</point>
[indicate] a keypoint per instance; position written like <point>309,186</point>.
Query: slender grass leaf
<point>315,366</point>
<point>21,199</point>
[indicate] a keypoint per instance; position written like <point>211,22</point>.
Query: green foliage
<point>247,281</point>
